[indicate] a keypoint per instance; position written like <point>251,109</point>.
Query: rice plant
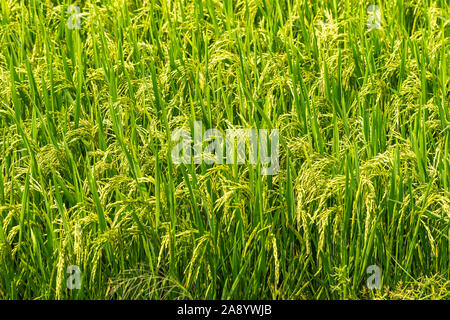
<point>91,93</point>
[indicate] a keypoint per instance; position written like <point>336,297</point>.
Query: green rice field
<point>94,204</point>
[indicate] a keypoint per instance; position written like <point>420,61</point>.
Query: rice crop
<point>91,93</point>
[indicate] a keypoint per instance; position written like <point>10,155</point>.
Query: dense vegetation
<point>86,177</point>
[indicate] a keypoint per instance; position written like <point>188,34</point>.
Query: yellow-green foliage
<point>86,178</point>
